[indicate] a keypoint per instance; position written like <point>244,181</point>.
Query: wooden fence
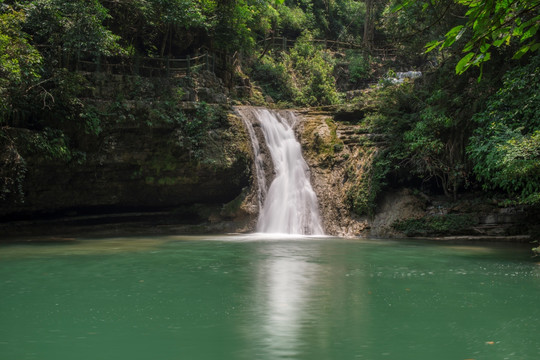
<point>282,43</point>
<point>136,65</point>
<point>147,66</point>
<point>171,67</point>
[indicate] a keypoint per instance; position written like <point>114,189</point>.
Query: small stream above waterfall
<point>289,205</point>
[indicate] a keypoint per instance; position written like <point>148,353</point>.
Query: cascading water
<point>289,205</point>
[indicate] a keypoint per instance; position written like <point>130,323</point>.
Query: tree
<point>19,60</point>
<point>240,21</point>
<point>70,29</point>
<point>75,25</point>
<point>368,25</point>
<point>167,20</point>
<point>492,24</point>
<point>506,146</point>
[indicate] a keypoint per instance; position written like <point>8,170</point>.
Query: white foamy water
<point>290,205</point>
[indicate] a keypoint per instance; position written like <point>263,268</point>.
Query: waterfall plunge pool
<point>255,297</point>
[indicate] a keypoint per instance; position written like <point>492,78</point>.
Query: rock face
<point>340,156</point>
<point>137,162</point>
<point>318,135</point>
<point>133,168</point>
<point>204,87</point>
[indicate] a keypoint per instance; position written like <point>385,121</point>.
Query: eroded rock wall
<point>329,160</point>
<point>137,162</point>
<point>340,153</point>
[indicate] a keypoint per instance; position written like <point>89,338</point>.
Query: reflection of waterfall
<point>289,205</point>
<point>285,282</point>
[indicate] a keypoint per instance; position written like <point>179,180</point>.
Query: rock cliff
<point>144,159</point>
<point>340,153</point>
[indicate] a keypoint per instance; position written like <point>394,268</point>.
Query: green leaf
<point>522,51</point>
<point>432,45</point>
<point>464,64</point>
<point>484,47</point>
<point>452,35</point>
<point>401,6</point>
<point>498,42</point>
<point>468,47</point>
<point>529,33</point>
<point>481,58</point>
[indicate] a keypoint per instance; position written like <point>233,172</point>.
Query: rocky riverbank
<point>340,156</point>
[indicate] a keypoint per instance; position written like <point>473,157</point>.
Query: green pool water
<point>242,297</point>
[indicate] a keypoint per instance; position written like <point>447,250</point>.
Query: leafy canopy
<point>488,25</point>
<point>506,146</point>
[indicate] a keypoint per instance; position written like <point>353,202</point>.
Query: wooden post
<point>206,60</point>
<point>188,65</point>
<point>284,43</point>
<point>168,66</point>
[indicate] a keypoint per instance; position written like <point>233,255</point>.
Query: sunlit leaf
<point>498,42</point>
<point>529,33</point>
<point>432,45</point>
<point>464,63</point>
<point>522,51</point>
<point>452,36</point>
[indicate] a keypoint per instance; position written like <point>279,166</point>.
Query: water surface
<point>240,297</point>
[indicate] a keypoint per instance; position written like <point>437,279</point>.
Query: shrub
<point>359,66</point>
<point>506,146</point>
<point>312,69</point>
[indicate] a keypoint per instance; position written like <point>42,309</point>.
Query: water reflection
<point>284,282</point>
<point>294,292</point>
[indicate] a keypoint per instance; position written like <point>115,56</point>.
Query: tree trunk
<point>368,25</point>
<point>164,42</point>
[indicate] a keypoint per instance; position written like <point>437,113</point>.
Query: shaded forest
<point>470,122</point>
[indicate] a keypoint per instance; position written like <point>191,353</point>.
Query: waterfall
<point>289,205</point>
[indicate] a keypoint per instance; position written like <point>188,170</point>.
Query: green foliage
<point>12,169</point>
<point>412,26</point>
<point>92,120</point>
<point>239,21</point>
<point>293,20</point>
<point>490,25</point>
<point>367,183</point>
<point>273,77</point>
<point>426,127</point>
<point>19,61</point>
<point>359,66</point>
<point>303,76</point>
<point>49,144</point>
<point>435,225</point>
<point>160,27</point>
<point>74,26</point>
<point>312,68</point>
<point>506,145</point>
<point>433,150</point>
<point>338,19</point>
